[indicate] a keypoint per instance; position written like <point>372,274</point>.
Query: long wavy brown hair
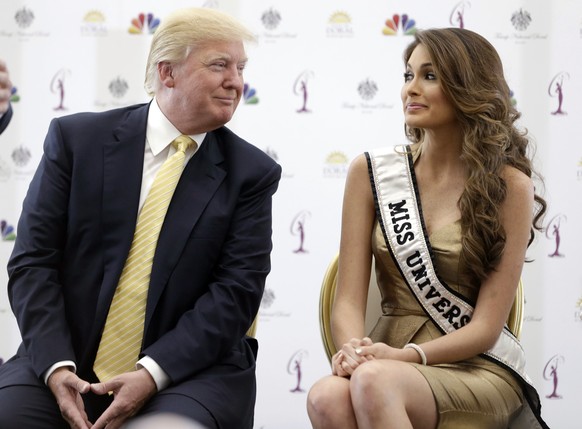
<point>471,76</point>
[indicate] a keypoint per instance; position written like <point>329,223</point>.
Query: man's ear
<point>165,73</point>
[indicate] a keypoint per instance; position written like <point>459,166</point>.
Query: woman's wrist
<point>418,350</point>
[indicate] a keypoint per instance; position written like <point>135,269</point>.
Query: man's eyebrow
<point>222,56</point>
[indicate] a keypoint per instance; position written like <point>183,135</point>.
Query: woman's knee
<point>321,396</point>
<point>326,398</point>
<point>375,379</point>
<point>367,375</point>
<point>383,386</point>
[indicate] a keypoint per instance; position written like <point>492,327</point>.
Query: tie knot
<point>183,142</point>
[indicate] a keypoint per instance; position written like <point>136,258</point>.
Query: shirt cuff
<point>58,365</point>
<point>160,377</point>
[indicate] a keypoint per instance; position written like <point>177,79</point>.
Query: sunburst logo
<point>521,20</point>
<point>336,165</point>
<point>457,18</point>
<point>579,170</point>
<point>250,95</point>
<point>144,24</point>
<point>340,25</point>
<point>336,158</point>
<point>7,231</point>
<point>340,18</point>
<point>94,24</point>
<point>406,25</point>
<point>94,16</point>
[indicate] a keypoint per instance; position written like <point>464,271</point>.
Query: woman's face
<point>424,102</point>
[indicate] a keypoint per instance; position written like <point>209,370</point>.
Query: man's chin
<point>225,117</point>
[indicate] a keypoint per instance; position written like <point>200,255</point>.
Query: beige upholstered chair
<point>373,310</point>
<point>253,329</point>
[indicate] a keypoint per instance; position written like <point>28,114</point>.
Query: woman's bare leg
<point>329,405</point>
<point>388,394</point>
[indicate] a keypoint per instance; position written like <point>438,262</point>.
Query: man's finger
<point>83,386</point>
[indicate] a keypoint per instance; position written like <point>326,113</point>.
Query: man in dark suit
<point>5,93</point>
<point>211,259</point>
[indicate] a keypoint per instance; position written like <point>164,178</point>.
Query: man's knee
<point>29,407</point>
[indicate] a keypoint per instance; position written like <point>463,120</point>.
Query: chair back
<point>253,329</point>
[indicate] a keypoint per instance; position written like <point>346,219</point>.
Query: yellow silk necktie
<point>123,333</point>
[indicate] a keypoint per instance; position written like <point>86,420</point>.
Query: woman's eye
<point>430,76</point>
<point>407,77</point>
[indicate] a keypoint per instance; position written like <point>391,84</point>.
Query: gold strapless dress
<point>474,393</point>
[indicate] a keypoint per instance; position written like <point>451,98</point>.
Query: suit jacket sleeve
<point>34,286</point>
<point>5,119</point>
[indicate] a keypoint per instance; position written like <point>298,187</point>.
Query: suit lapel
<point>123,159</point>
<point>122,174</point>
<point>198,183</point>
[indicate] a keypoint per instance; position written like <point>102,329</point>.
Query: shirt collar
<point>161,132</point>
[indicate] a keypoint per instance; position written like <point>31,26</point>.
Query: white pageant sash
<point>400,216</point>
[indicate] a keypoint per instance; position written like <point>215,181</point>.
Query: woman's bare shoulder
<point>518,183</point>
<point>359,165</point>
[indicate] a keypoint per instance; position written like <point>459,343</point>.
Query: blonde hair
<point>471,76</point>
<point>183,31</point>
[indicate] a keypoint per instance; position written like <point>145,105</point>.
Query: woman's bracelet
<point>418,350</point>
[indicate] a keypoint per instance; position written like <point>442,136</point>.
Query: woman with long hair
<point>448,219</point>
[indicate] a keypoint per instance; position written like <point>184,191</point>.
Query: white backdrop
<point>323,86</point>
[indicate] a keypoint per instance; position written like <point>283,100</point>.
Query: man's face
<point>207,86</point>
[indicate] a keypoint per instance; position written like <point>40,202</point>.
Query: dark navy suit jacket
<point>5,119</point>
<point>209,269</point>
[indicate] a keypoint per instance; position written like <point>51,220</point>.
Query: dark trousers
<point>34,407</point>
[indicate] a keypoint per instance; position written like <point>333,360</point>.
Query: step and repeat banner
<point>322,85</point>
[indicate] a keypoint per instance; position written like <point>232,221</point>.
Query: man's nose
<point>234,78</point>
